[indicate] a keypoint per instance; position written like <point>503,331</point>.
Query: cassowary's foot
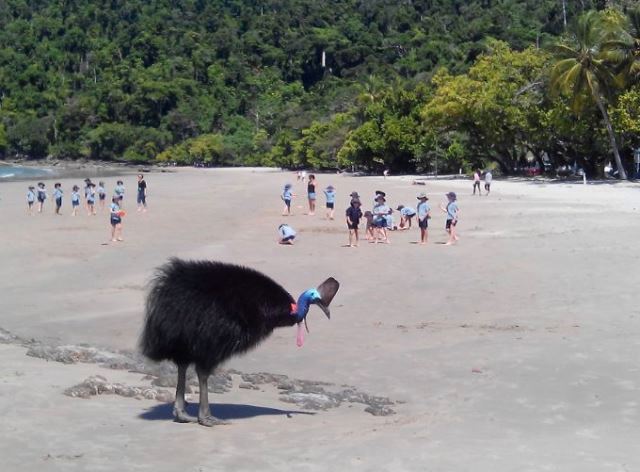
<point>211,421</point>
<point>181,416</point>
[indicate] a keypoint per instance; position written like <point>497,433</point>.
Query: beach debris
<point>99,385</point>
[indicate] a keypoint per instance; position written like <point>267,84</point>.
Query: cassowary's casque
<point>203,312</point>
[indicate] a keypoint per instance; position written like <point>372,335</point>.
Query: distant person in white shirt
<point>488,178</point>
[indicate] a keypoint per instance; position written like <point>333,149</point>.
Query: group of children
<point>379,219</point>
<point>92,193</point>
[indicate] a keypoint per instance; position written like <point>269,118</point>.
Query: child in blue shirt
<point>424,213</point>
<point>287,196</point>
<point>452,212</point>
<point>91,198</point>
<point>287,234</point>
<point>406,216</point>
<point>115,215</point>
<point>118,192</point>
<point>75,200</point>
<point>31,198</point>
<point>57,195</point>
<point>42,196</point>
<point>330,194</point>
<point>102,194</point>
<point>380,212</point>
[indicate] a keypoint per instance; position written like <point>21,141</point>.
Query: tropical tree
<point>582,72</point>
<point>622,44</point>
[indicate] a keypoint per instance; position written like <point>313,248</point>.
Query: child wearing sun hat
<point>452,212</point>
<point>424,213</point>
<point>330,194</point>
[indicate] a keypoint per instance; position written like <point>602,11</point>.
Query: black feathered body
<point>203,312</point>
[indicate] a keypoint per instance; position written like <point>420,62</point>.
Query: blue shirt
<point>407,211</point>
<point>331,196</point>
<point>57,193</point>
<point>423,210</point>
<point>31,196</point>
<point>115,208</point>
<point>452,211</point>
<point>91,195</point>
<point>101,191</point>
<point>286,231</point>
<point>287,194</point>
<point>119,190</point>
<point>75,197</point>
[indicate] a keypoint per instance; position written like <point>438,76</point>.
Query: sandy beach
<point>515,350</point>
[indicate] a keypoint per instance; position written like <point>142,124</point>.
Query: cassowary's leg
<point>179,411</point>
<point>205,418</point>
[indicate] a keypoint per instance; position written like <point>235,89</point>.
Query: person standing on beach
<point>102,195</point>
<point>116,215</point>
<point>311,194</point>
<point>452,212</point>
<point>286,196</point>
<point>87,189</point>
<point>31,199</point>
<point>142,193</point>
<point>380,213</point>
<point>330,194</point>
<point>57,195</point>
<point>353,214</point>
<point>424,213</point>
<point>488,178</point>
<point>91,199</point>
<point>75,200</point>
<point>118,192</point>
<point>42,196</point>
<point>476,182</point>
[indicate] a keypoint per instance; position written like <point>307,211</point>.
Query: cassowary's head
<point>320,296</point>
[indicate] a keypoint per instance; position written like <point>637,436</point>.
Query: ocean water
<point>13,172</point>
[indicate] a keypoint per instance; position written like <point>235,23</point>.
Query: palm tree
<point>622,45</point>
<point>582,73</point>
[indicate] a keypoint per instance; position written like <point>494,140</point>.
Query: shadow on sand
<point>224,411</point>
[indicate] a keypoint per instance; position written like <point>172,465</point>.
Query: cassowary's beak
<point>324,308</point>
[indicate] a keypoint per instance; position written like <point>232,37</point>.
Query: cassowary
<point>204,312</point>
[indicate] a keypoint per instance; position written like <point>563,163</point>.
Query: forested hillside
<point>285,82</point>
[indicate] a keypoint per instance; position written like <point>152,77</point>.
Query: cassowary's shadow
<point>224,411</point>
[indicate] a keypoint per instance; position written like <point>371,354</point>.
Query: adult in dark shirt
<point>353,214</point>
<point>142,193</point>
<point>311,194</point>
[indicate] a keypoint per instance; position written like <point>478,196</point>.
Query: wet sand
<point>514,350</point>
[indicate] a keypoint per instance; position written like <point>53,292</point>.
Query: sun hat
<point>287,185</point>
<point>356,201</point>
<point>330,187</point>
<point>354,195</point>
<point>422,195</point>
<point>452,195</point>
<point>380,192</point>
<point>378,197</point>
<point>400,207</point>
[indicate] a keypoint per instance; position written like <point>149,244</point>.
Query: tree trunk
<point>612,137</point>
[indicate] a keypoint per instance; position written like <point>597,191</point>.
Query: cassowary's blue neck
<point>304,302</point>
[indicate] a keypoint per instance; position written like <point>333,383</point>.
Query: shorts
<point>120,197</point>
<point>115,220</point>
<point>487,186</point>
<point>423,224</point>
<point>75,203</point>
<point>311,195</point>
<point>102,196</point>
<point>288,238</point>
<point>30,204</point>
<point>59,202</point>
<point>142,198</point>
<point>41,199</point>
<point>91,202</point>
<point>451,223</point>
<point>353,226</point>
<point>288,203</point>
<point>380,223</point>
<point>330,205</point>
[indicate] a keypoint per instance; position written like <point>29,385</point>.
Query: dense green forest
<point>324,84</point>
